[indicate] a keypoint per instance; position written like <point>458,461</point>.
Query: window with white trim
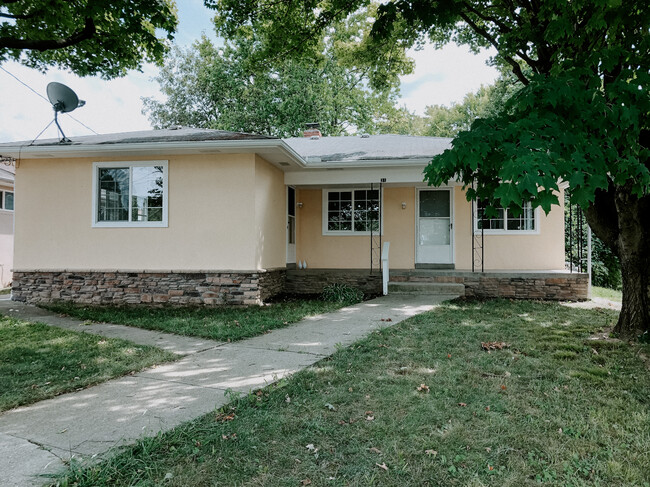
<point>7,200</point>
<point>351,211</point>
<point>505,221</point>
<point>130,194</point>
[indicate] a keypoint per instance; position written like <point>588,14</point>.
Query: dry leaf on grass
<point>431,452</point>
<point>423,388</point>
<point>305,482</point>
<point>223,417</point>
<point>375,450</point>
<point>382,466</point>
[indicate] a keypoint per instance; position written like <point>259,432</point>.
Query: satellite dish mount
<point>63,100</point>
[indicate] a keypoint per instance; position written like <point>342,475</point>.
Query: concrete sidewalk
<point>36,440</point>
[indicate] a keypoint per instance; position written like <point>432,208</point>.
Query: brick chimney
<point>312,131</point>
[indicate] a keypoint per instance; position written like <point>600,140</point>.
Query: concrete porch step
<point>436,288</point>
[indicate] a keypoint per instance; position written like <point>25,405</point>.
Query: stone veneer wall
<point>523,285</point>
<point>312,281</point>
<point>209,288</point>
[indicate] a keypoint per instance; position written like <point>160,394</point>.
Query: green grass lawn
<point>422,404</point>
<point>223,324</point>
<point>603,292</point>
<point>38,361</point>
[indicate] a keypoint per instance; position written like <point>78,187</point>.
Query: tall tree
<point>232,88</point>
<point>582,115</point>
<point>443,121</point>
<point>106,37</point>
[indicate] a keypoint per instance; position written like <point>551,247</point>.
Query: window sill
<point>130,225</point>
<point>349,234</point>
<point>507,232</point>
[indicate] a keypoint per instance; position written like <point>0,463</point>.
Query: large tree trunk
<point>634,253</point>
<point>622,221</point>
<point>635,313</point>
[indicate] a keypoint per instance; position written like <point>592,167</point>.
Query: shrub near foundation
<point>342,293</point>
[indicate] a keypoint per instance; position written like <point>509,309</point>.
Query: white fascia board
<point>320,177</point>
<point>421,163</point>
<point>182,147</point>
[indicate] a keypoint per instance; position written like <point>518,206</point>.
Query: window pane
<point>147,197</point>
<point>9,200</point>
<point>366,210</point>
<point>113,198</point>
<point>525,221</point>
<point>339,211</point>
<point>506,220</point>
<point>434,204</point>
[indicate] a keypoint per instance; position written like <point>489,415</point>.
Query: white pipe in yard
<point>384,267</point>
<point>589,260</point>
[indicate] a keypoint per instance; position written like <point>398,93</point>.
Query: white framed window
<point>7,200</point>
<point>130,194</point>
<point>351,211</point>
<point>506,222</point>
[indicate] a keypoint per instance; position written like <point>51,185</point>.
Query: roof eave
<point>423,161</point>
<point>121,149</point>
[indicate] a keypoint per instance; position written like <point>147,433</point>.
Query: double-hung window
<point>505,221</point>
<point>351,211</point>
<point>7,200</point>
<point>130,194</point>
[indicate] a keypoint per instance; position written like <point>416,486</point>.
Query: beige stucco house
<point>6,223</point>
<point>191,216</point>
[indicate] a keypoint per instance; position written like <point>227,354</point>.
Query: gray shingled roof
<point>148,136</point>
<point>372,148</point>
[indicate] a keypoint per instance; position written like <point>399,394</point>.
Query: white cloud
<point>111,106</point>
<point>444,76</point>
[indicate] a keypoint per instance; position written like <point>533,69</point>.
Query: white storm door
<point>291,225</point>
<point>434,227</point>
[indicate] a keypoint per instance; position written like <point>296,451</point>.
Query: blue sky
<point>441,77</point>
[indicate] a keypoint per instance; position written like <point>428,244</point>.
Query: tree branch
<point>516,69</point>
<point>18,16</point>
<point>45,44</point>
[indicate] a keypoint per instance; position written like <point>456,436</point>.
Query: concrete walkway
<point>36,440</point>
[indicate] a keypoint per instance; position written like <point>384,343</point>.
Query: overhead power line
<point>48,101</point>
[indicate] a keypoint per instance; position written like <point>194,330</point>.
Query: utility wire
<point>81,123</point>
<point>24,84</point>
<point>36,92</point>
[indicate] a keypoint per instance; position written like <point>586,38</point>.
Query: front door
<point>291,225</point>
<point>434,227</point>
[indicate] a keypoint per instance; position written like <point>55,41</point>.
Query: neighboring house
<point>6,223</point>
<point>192,216</point>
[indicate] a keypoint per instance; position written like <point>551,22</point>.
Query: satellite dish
<point>63,100</point>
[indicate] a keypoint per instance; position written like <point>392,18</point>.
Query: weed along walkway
<point>37,440</point>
